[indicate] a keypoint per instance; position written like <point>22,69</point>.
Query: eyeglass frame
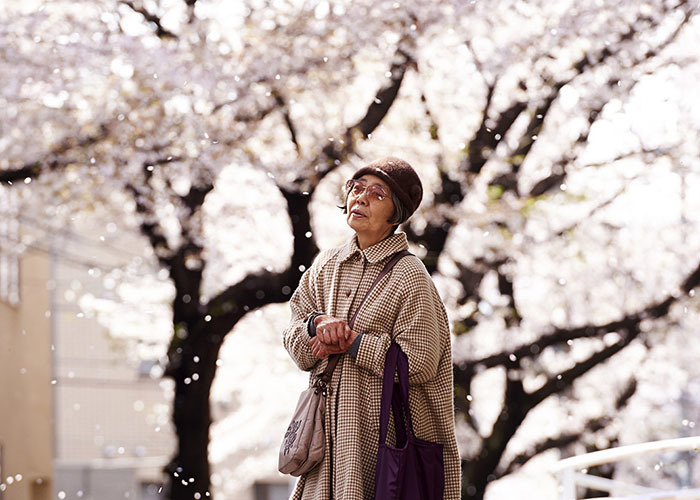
<point>350,187</point>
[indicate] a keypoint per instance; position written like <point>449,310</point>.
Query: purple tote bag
<point>413,470</point>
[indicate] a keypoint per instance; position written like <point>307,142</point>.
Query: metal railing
<point>571,472</point>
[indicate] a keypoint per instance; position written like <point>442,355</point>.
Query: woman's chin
<point>357,222</point>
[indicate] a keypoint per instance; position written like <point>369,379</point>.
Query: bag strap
<point>389,265</point>
<point>402,368</point>
<point>396,359</point>
<point>387,390</point>
<point>399,425</point>
<point>333,359</point>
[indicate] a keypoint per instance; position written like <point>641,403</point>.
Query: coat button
<point>348,292</point>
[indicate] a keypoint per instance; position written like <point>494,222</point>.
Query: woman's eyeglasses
<point>357,187</point>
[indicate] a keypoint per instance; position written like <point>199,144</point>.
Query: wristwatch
<point>311,328</point>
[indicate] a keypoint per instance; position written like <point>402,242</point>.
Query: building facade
<point>26,425</point>
<point>80,417</point>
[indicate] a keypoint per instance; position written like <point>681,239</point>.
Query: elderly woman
<point>404,307</point>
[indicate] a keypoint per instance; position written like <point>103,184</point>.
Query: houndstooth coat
<point>405,307</point>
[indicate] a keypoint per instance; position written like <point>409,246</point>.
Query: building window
<point>149,368</point>
<point>152,491</point>
<point>9,241</point>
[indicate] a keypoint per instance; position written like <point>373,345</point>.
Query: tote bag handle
<point>396,359</point>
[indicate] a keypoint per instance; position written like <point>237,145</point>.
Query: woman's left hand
<point>322,350</point>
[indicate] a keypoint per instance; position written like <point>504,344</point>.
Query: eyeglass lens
<point>374,191</point>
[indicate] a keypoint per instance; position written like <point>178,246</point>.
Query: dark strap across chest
<point>333,359</point>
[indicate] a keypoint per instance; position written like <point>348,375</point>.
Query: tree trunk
<point>188,471</point>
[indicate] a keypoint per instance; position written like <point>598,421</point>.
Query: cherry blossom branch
<point>588,216</point>
<point>282,104</point>
<point>149,225</point>
<point>190,8</point>
<point>480,69</point>
<point>247,117</point>
<point>508,181</point>
<point>262,288</point>
<point>557,383</point>
<point>379,107</point>
<point>563,440</point>
<point>161,32</point>
<point>629,322</point>
<point>559,171</point>
<point>486,138</point>
<point>519,402</point>
<point>33,169</point>
<point>527,140</point>
<point>334,153</point>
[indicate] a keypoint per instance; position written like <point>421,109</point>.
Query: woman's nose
<point>363,197</point>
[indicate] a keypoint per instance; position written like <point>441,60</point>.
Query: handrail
<point>666,495</point>
<point>569,478</point>
<point>622,452</point>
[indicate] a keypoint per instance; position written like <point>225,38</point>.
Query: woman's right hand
<point>332,331</point>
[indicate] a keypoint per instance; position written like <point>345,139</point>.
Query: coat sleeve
<point>303,302</point>
<point>417,329</point>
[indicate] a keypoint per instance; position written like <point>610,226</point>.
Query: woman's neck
<point>365,240</point>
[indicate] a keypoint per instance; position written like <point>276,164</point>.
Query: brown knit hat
<point>401,178</point>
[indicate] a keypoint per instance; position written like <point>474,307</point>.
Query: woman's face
<point>368,214</point>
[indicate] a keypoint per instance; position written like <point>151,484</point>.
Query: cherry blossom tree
<point>135,111</point>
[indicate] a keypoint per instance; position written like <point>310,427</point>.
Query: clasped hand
<point>333,336</point>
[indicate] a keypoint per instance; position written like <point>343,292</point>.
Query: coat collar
<point>384,248</point>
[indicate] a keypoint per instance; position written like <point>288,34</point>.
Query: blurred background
<point>169,168</point>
